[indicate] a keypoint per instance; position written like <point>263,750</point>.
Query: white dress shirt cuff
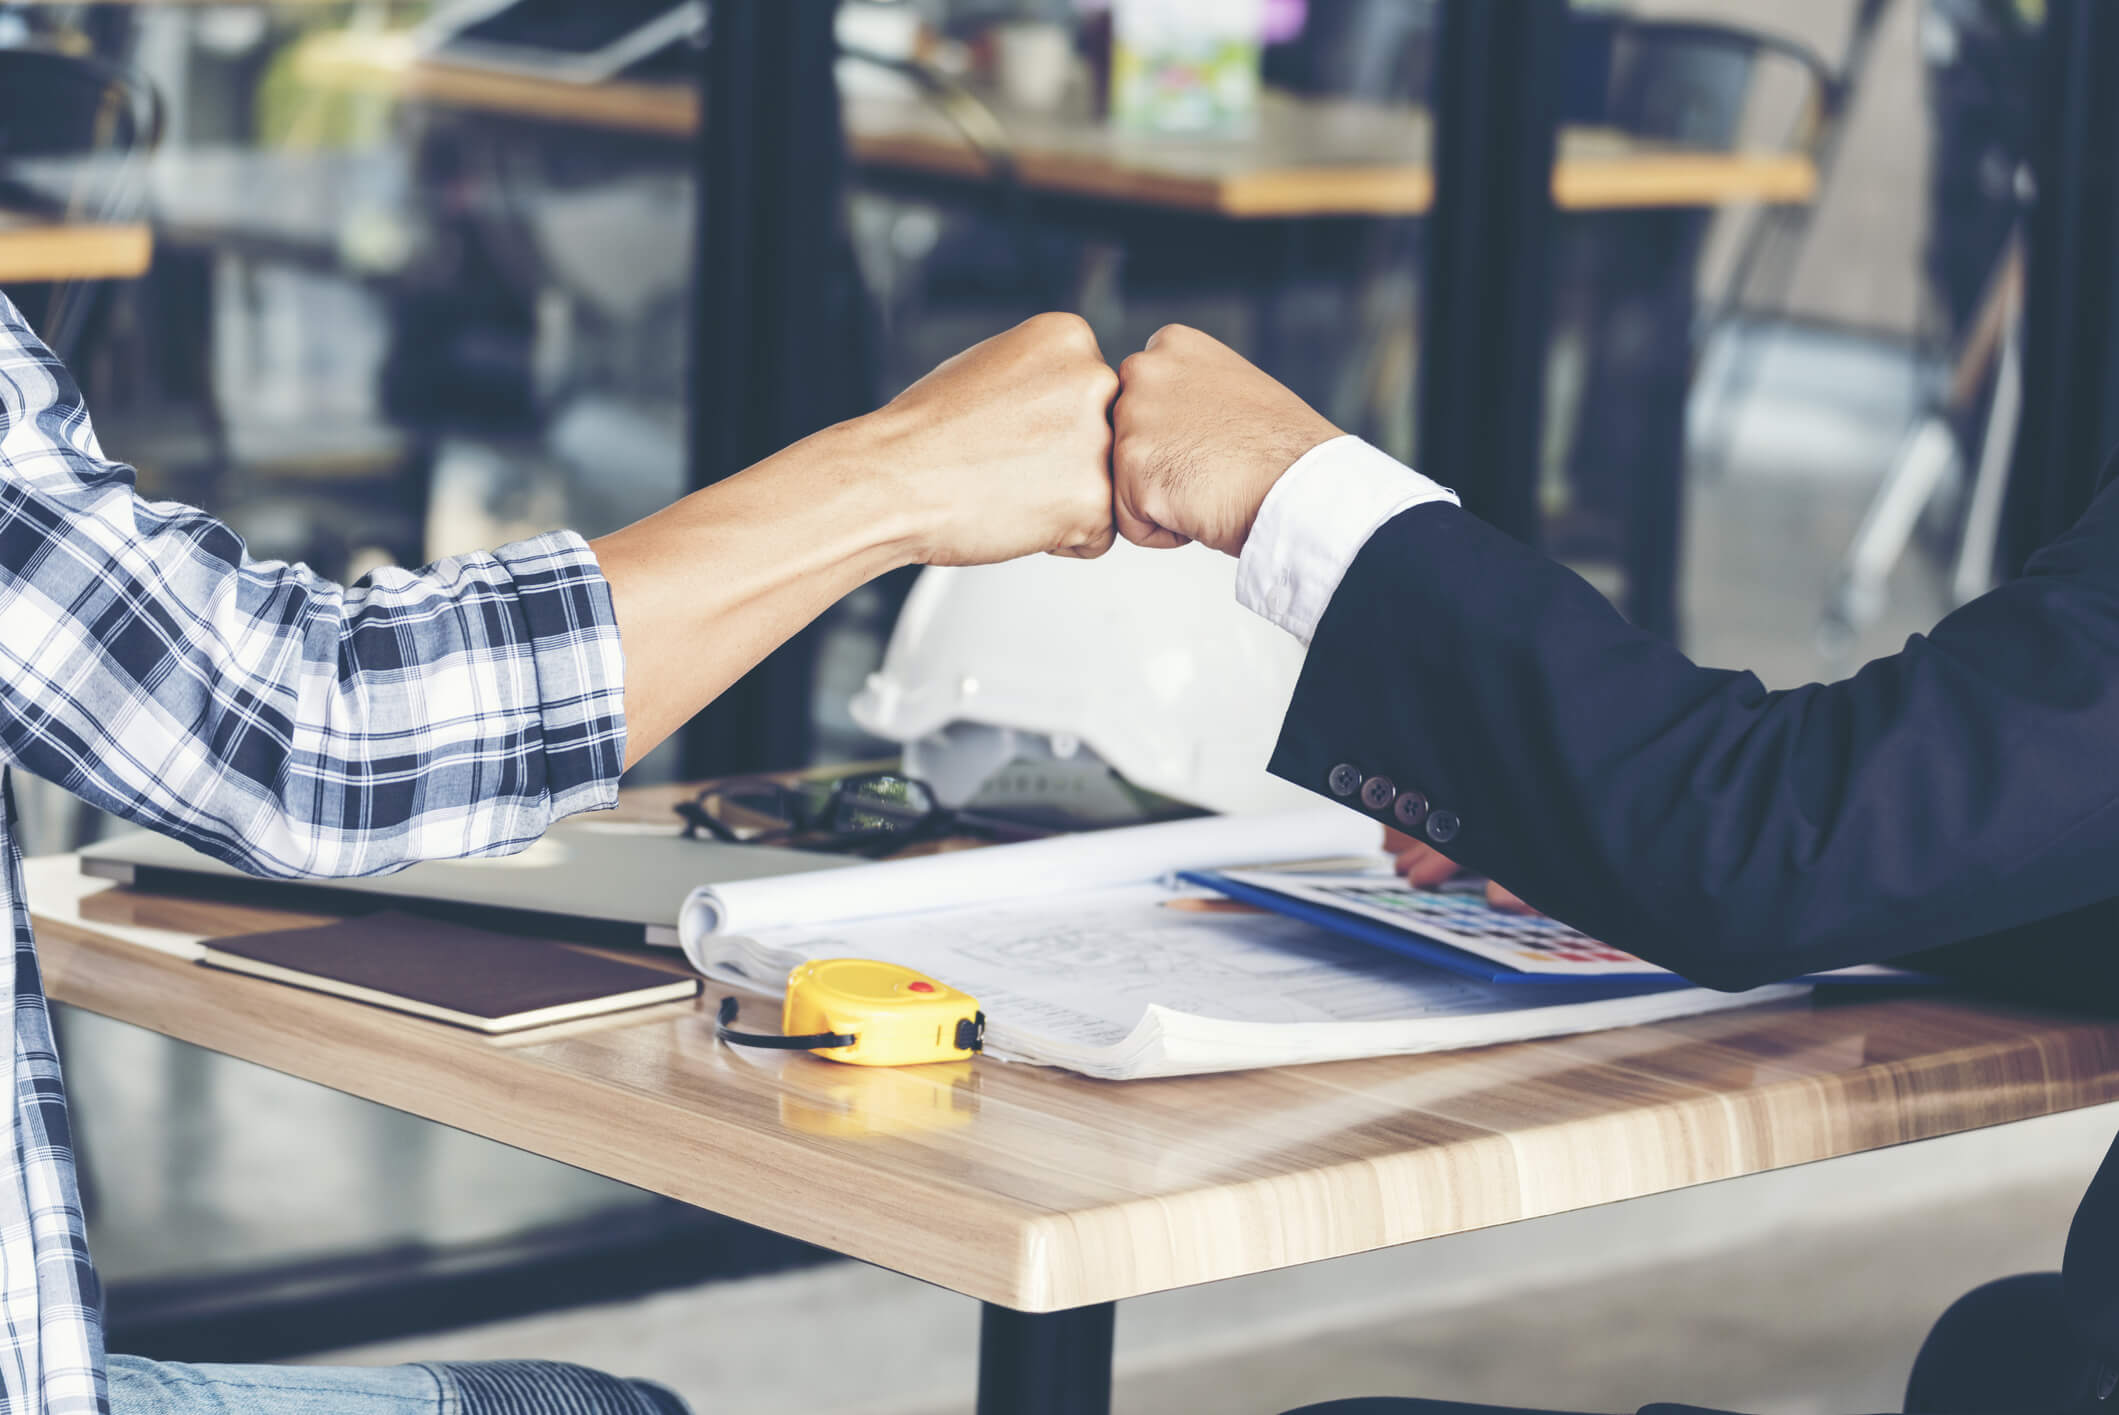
<point>1314,522</point>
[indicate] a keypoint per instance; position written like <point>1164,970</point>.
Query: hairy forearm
<point>1002,451</point>
<point>706,588</point>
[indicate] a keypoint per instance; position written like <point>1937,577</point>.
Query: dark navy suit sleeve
<point>1964,787</point>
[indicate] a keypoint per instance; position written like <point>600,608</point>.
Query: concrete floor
<point>1804,1292</point>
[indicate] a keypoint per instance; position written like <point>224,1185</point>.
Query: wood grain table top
<point>1042,1190</point>
<point>33,251</point>
<point>1306,159</point>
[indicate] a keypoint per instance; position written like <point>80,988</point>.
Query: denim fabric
<point>141,1387</point>
<point>549,1388</point>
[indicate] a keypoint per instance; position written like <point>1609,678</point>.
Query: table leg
<point>1045,1363</point>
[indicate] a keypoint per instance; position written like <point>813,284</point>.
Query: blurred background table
<point>35,251</point>
<point>1308,158</point>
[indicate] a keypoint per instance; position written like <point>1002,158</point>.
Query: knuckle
<point>1103,383</point>
<point>1174,336</point>
<point>1063,327</point>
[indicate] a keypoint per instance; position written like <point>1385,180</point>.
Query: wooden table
<point>1040,1192</point>
<point>33,251</point>
<point>1307,159</point>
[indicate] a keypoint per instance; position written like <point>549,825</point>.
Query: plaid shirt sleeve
<point>283,723</point>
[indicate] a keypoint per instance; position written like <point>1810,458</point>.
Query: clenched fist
<point>1200,437</point>
<point>1005,450</point>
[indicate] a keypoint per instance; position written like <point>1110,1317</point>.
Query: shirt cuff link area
<point>1314,522</point>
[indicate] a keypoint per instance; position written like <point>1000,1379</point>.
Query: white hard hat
<point>1142,656</point>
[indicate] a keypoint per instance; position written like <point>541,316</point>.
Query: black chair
<point>1632,275</point>
<point>70,129</point>
<point>1627,277</point>
<point>1765,261</point>
<point>2035,1342</point>
<point>72,132</point>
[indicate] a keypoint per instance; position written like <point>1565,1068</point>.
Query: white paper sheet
<point>1065,864</point>
<point>1120,984</point>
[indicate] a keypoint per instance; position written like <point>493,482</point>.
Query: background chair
<point>74,133</point>
<point>1627,303</point>
<point>1979,60</point>
<point>1630,280</point>
<point>90,121</point>
<point>1766,257</point>
<point>1971,419</point>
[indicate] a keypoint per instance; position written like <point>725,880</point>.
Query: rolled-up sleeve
<point>264,714</point>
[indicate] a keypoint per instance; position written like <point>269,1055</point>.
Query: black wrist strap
<point>772,1040</point>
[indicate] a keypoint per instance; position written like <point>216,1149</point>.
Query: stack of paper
<point>1082,959</point>
<point>1146,981</point>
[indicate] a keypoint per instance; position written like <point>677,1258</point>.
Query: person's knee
<point>552,1388</point>
<point>661,1399</point>
<point>2026,1297</point>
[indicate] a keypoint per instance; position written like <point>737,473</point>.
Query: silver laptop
<point>586,882</point>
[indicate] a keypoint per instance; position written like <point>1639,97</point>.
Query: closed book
<point>490,982</point>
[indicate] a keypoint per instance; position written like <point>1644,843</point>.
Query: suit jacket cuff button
<point>1344,779</point>
<point>1442,827</point>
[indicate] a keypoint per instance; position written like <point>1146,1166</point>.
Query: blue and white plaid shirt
<point>281,722</point>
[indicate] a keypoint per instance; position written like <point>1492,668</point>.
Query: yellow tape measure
<point>869,1014</point>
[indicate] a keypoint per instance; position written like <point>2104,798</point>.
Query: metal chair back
<point>71,130</point>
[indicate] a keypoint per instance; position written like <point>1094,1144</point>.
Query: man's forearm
<point>1002,451</point>
<point>707,587</point>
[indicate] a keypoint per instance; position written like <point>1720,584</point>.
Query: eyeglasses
<point>875,813</point>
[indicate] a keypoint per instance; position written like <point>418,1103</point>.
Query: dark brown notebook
<point>488,981</point>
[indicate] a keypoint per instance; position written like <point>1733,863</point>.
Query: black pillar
<point>2071,348</point>
<point>1484,292</point>
<point>766,340</point>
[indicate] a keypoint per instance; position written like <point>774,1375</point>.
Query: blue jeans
<point>139,1387</point>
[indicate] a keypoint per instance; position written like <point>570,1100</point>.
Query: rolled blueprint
<point>1059,865</point>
